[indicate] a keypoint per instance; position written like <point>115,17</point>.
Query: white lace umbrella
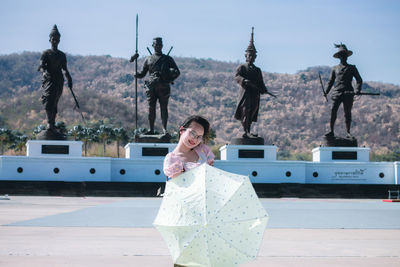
<point>210,217</point>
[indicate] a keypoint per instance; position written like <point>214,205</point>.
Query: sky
<point>290,35</point>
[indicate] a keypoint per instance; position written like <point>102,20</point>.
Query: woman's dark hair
<point>200,120</point>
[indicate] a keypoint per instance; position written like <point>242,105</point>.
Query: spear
<point>169,50</point>
<point>136,51</point>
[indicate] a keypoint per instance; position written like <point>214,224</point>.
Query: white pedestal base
<point>341,154</point>
<point>53,148</point>
<point>248,153</point>
<point>148,150</point>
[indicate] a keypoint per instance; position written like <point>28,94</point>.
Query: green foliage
<point>18,141</point>
<point>87,135</point>
<point>5,138</point>
<point>121,136</point>
<point>12,140</point>
<point>288,155</point>
<point>389,156</point>
<point>105,133</point>
<point>38,129</point>
<point>283,155</point>
<point>215,150</point>
<point>61,127</point>
<point>139,131</point>
<point>303,78</point>
<point>75,132</point>
<point>211,136</point>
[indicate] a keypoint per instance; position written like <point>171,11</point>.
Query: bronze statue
<point>162,72</point>
<point>252,86</point>
<point>343,92</point>
<point>53,63</point>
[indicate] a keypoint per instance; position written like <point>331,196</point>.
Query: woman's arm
<point>173,166</point>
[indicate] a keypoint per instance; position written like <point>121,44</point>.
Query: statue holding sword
<point>53,66</point>
<point>250,79</point>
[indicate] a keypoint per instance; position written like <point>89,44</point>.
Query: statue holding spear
<point>162,71</point>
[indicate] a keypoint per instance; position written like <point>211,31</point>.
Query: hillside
<point>104,85</point>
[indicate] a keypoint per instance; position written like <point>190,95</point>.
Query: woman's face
<point>192,136</point>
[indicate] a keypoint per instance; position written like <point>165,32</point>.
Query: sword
<point>77,105</point>
<point>271,94</point>
<point>362,93</point>
<point>322,86</point>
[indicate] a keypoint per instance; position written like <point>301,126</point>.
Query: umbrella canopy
<point>210,217</point>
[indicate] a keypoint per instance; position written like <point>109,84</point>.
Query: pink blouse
<point>174,165</point>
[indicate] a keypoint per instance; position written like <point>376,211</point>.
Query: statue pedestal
<point>148,150</point>
<point>336,141</point>
<point>53,148</point>
<point>341,154</point>
<point>256,141</point>
<point>154,138</point>
<point>49,134</point>
<point>248,152</point>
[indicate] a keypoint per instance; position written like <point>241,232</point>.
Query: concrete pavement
<point>101,231</point>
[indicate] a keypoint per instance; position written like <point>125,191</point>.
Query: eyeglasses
<point>194,135</point>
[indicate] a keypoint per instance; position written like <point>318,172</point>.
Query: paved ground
<point>99,231</point>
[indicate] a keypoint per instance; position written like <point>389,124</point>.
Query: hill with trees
<point>295,122</point>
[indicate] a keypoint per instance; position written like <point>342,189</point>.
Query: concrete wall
<point>137,167</point>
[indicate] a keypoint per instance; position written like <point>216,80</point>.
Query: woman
<point>191,150</point>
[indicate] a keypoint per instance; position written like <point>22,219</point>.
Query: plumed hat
<point>251,48</point>
<point>342,50</point>
<point>55,32</point>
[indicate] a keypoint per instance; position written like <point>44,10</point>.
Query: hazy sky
<point>290,35</point>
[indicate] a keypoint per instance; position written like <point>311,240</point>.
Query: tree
<point>75,132</point>
<point>211,136</point>
<point>120,135</point>
<point>106,135</point>
<point>5,138</point>
<point>87,135</point>
<point>18,141</point>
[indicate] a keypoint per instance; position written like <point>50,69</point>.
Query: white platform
<point>141,167</point>
<point>148,150</point>
<point>70,169</point>
<point>341,154</point>
<point>248,153</point>
<point>53,148</point>
<point>350,173</point>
